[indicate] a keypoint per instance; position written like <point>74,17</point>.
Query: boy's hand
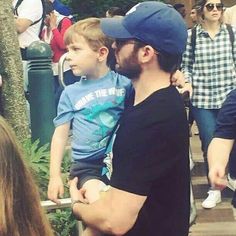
<point>75,193</point>
<point>55,189</point>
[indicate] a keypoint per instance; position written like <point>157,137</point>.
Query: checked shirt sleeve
<point>187,60</point>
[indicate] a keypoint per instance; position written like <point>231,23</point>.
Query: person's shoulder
<point>120,77</point>
<point>72,87</point>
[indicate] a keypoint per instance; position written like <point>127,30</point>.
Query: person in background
<point>209,68</point>
<point>53,33</point>
<point>179,7</point>
<point>114,11</point>
<point>230,15</point>
<point>149,193</point>
<point>20,209</point>
<point>222,149</point>
<point>194,15</point>
<point>28,19</point>
<point>61,8</point>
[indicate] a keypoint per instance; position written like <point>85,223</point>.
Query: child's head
<point>86,35</point>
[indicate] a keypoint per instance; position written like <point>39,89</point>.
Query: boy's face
<point>82,59</point>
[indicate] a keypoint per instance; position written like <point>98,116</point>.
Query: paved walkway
<point>219,221</point>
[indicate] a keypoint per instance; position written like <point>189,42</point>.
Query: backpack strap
<point>60,23</point>
<point>16,7</point>
<point>16,11</point>
<point>193,42</point>
<point>231,36</point>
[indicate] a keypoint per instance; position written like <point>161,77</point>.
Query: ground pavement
<point>219,221</point>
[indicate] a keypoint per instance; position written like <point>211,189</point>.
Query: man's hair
<point>167,62</point>
<point>48,7</point>
<point>91,31</point>
<point>177,6</point>
<point>115,11</point>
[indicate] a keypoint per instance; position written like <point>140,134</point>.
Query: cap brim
<point>114,28</point>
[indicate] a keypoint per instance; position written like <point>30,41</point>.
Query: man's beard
<point>130,67</point>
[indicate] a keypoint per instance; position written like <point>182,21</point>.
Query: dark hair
<point>167,62</point>
<point>200,6</point>
<point>115,11</point>
<point>178,6</point>
<point>48,7</point>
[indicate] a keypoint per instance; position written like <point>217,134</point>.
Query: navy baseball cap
<point>155,23</point>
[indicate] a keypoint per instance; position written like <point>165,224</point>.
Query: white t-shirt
<point>31,10</point>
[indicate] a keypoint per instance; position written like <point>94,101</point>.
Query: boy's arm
<point>59,140</point>
<point>218,156</point>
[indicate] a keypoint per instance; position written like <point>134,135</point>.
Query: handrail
<point>49,205</point>
<point>65,203</point>
<point>61,63</point>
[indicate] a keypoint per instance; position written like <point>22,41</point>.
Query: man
<point>28,19</point>
<point>181,9</point>
<point>149,193</point>
<point>194,15</point>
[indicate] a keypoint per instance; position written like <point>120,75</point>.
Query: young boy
<point>93,106</point>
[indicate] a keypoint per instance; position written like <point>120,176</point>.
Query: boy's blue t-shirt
<point>94,108</point>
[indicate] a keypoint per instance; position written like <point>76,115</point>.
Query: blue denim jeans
<point>206,122</point>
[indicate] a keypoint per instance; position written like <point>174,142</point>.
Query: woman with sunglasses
<point>209,68</point>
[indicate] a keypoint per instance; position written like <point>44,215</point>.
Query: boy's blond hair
<point>91,31</point>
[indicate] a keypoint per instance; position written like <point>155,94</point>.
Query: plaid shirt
<point>213,73</point>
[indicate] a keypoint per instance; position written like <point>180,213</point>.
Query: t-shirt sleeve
<point>65,111</point>
<point>31,10</point>
<point>226,120</point>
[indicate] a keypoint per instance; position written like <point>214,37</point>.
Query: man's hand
<point>55,189</point>
<point>75,193</point>
<point>217,177</point>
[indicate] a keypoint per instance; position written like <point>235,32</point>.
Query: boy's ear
<point>103,53</point>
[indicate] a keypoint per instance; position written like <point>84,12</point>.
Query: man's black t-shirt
<point>151,159</point>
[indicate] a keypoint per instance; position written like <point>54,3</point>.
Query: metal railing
<point>65,203</point>
<point>61,63</point>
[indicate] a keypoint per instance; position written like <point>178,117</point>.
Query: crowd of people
<point>120,106</point>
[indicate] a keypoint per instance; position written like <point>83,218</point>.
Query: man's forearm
<point>95,215</point>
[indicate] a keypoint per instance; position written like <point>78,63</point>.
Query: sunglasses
<point>211,6</point>
<point>121,42</point>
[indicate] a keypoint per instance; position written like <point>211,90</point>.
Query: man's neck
<point>148,83</point>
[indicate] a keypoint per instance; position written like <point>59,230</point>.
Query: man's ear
<point>102,54</point>
<point>146,54</point>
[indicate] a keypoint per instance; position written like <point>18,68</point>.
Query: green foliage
<point>38,159</point>
<point>98,8</point>
<point>63,221</point>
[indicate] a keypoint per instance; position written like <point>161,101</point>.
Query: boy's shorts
<point>86,170</point>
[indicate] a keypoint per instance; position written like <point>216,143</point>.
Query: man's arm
<point>114,213</point>
<point>218,156</point>
<point>22,24</point>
